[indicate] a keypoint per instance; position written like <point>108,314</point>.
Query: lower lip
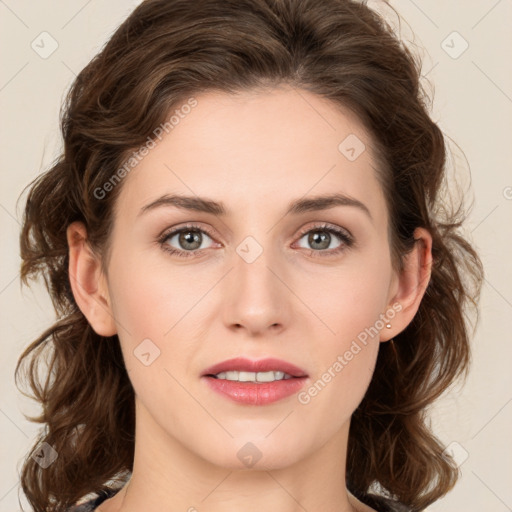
<point>252,393</point>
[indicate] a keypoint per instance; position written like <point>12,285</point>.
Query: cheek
<point>148,308</point>
<point>348,300</point>
<point>148,303</point>
<point>343,368</point>
<point>343,362</point>
<point>349,305</point>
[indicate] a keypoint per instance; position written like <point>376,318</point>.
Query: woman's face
<point>261,280</point>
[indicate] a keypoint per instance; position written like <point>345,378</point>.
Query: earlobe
<point>88,282</point>
<point>412,284</point>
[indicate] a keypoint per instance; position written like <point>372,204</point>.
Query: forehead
<point>274,145</point>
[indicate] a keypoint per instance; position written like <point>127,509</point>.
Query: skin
<point>254,152</point>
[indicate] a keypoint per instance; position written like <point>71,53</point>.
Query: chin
<point>259,454</point>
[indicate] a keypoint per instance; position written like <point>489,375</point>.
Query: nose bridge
<point>253,262</point>
<point>255,292</point>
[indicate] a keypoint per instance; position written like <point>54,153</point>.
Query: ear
<point>88,282</point>
<point>410,285</point>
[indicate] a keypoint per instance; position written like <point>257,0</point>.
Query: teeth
<point>253,377</point>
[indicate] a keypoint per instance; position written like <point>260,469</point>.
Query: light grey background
<point>473,106</point>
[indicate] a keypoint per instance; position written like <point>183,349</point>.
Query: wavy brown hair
<point>165,52</point>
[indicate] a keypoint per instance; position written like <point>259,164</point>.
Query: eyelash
<point>345,237</point>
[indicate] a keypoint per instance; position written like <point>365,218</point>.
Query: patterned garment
<point>94,503</point>
<point>381,504</point>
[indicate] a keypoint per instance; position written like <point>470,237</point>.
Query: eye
<point>188,238</point>
<point>320,238</point>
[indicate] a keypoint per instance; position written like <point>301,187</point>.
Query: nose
<point>257,297</point>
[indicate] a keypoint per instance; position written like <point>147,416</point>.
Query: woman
<point>259,287</point>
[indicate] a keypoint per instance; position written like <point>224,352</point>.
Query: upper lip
<point>261,365</point>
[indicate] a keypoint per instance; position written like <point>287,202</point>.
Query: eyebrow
<point>203,204</point>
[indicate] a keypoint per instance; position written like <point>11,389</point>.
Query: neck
<point>169,476</point>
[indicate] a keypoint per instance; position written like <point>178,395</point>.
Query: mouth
<point>246,370</point>
<point>240,376</point>
<point>255,382</point>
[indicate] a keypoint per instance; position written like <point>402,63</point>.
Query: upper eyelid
<point>327,226</point>
<point>173,231</point>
